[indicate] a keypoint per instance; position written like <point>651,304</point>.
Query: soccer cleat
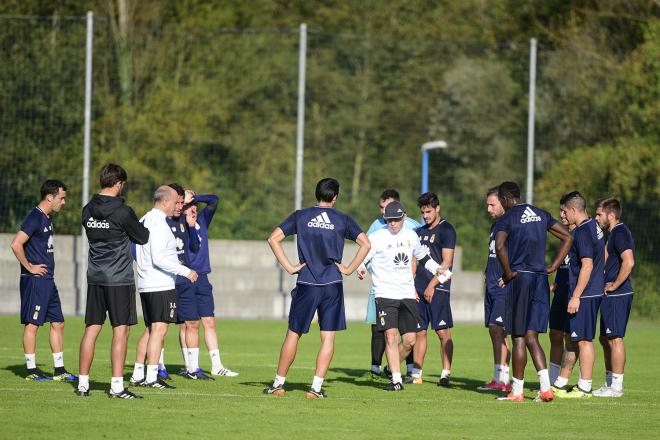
<point>66,376</point>
<point>545,396</point>
<point>576,393</point>
<point>82,392</point>
<point>513,397</point>
<point>163,374</point>
<point>505,387</point>
<point>491,386</point>
<point>394,386</point>
<point>386,372</point>
<point>414,380</point>
<point>224,372</point>
<point>444,382</point>
<point>161,385</point>
<point>312,394</point>
<point>606,391</point>
<point>275,390</point>
<point>198,374</point>
<point>183,371</point>
<point>124,394</point>
<point>136,382</point>
<point>38,375</point>
<point>561,392</point>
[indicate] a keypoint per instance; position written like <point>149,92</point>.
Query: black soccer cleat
<point>136,383</point>
<point>394,386</point>
<point>444,382</point>
<point>159,384</point>
<point>124,394</point>
<point>82,392</point>
<point>387,372</point>
<point>275,390</point>
<point>313,394</point>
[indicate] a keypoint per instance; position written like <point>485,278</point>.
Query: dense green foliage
<point>356,408</point>
<point>205,93</point>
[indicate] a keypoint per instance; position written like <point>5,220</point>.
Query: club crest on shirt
<point>182,228</point>
<point>432,238</point>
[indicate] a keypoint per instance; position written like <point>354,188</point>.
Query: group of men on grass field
<point>410,267</point>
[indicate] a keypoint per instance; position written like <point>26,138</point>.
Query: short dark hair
<point>610,205</point>
<point>178,188</point>
<point>494,190</point>
<point>390,193</point>
<point>52,187</point>
<point>111,174</point>
<point>327,189</point>
<point>509,190</point>
<point>428,199</point>
<point>575,200</point>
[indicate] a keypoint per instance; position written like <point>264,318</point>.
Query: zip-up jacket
<point>111,226</point>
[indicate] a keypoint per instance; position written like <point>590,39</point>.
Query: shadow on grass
<point>288,386</point>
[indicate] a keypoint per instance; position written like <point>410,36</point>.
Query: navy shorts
<point>582,324</point>
<point>559,312</point>
<point>527,304</point>
<point>327,301</point>
<point>204,296</point>
<point>614,314</point>
<point>186,302</point>
<point>437,313</point>
<point>495,307</point>
<point>40,301</point>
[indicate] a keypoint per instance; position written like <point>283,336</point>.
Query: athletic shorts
<point>527,304</point>
<point>40,301</point>
<point>582,324</point>
<point>437,313</point>
<point>159,306</point>
<point>401,314</point>
<point>326,301</point>
<point>559,312</point>
<point>204,296</point>
<point>371,308</point>
<point>614,314</point>
<point>186,303</point>
<point>495,307</point>
<point>117,301</point>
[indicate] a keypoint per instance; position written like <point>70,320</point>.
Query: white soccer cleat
<point>606,391</point>
<point>224,372</point>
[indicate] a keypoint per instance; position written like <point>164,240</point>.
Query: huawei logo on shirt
<point>401,259</point>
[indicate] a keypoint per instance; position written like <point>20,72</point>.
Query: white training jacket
<point>391,262</point>
<point>157,261</point>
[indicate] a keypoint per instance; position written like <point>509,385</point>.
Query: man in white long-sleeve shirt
<point>158,266</point>
<point>391,255</point>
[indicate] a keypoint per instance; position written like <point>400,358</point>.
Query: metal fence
<point>216,109</point>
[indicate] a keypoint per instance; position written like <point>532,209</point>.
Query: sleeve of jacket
<point>135,230</point>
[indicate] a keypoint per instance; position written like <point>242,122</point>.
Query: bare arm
<point>18,246</point>
<point>275,243</point>
<point>365,247</point>
<point>560,231</point>
<point>627,264</point>
<point>503,257</point>
<point>582,281</point>
<point>447,260</point>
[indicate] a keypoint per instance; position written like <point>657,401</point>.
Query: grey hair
<point>162,193</point>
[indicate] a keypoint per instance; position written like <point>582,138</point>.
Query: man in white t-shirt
<point>391,255</point>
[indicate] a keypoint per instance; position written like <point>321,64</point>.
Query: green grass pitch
<point>356,408</point>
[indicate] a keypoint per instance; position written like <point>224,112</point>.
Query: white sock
<point>504,375</point>
<point>193,359</point>
<point>396,378</point>
<point>161,361</point>
<point>152,373</point>
<point>138,371</point>
<point>317,382</point>
<point>517,387</point>
<point>617,382</point>
<point>560,382</point>
<point>375,369</point>
<point>497,370</point>
<point>279,380</point>
<point>608,378</point>
<point>554,371</point>
<point>83,382</point>
<point>445,373</point>
<point>184,353</point>
<point>544,378</point>
<point>117,384</point>
<point>584,384</point>
<point>216,362</point>
<point>409,368</point>
<point>31,361</point>
<point>416,372</point>
<point>58,360</point>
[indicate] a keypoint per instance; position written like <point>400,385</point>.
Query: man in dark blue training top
<point>520,245</point>
<point>40,301</point>
<point>321,231</point>
<point>616,304</point>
